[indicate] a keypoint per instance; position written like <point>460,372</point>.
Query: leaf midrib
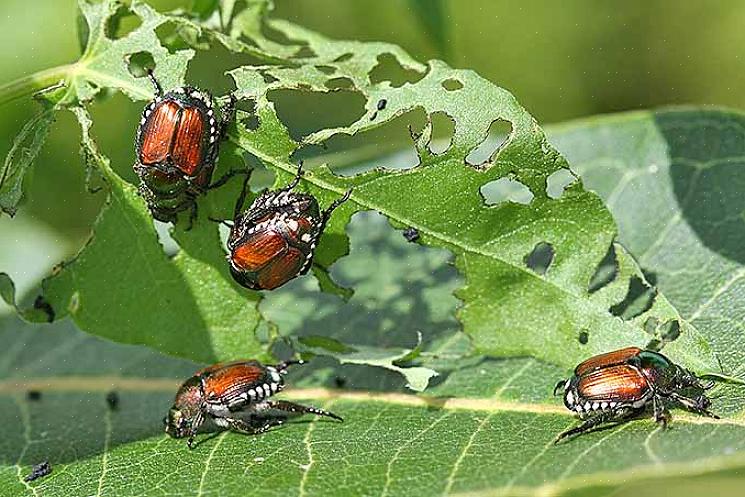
<point>494,404</point>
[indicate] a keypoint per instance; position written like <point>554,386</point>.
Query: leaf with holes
<point>673,180</point>
<point>128,290</point>
<point>509,309</point>
<point>491,433</point>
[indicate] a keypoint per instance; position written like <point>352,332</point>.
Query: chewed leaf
<point>673,180</point>
<point>508,308</point>
<point>417,377</point>
<point>124,287</point>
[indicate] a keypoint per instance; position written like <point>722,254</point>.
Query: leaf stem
<point>28,85</point>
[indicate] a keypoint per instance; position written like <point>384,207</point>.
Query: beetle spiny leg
<point>336,203</point>
<point>229,175</point>
<point>156,85</point>
<point>283,405</point>
<point>242,426</point>
<point>296,180</point>
<point>228,115</point>
<point>242,197</point>
<point>661,415</point>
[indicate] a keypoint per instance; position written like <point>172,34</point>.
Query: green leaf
<point>25,148</point>
<point>508,309</point>
<point>492,436</point>
<point>673,180</point>
<point>124,287</point>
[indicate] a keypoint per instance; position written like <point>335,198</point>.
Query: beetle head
<point>178,425</point>
<point>186,413</point>
<point>688,379</point>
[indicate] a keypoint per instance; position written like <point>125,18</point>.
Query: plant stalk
<point>28,85</point>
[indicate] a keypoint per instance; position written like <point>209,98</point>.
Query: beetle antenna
<point>156,85</point>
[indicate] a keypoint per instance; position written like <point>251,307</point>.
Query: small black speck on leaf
<point>41,304</point>
<point>583,337</point>
<point>33,395</point>
<point>340,382</point>
<point>39,470</point>
<point>411,234</point>
<point>112,399</point>
<point>382,103</point>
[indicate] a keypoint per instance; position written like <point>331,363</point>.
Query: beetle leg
<point>283,405</point>
<point>242,426</point>
<point>195,424</point>
<point>336,203</point>
<point>559,386</point>
<point>282,366</point>
<point>242,197</point>
<point>228,115</point>
<point>596,420</point>
<point>192,216</point>
<point>695,405</point>
<point>227,176</point>
<point>296,179</point>
<point>661,414</point>
<point>156,85</point>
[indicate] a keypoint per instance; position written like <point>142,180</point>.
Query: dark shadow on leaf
<point>708,176</point>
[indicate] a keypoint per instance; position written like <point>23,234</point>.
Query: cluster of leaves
<point>545,278</point>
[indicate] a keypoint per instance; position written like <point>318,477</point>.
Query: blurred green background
<point>561,59</point>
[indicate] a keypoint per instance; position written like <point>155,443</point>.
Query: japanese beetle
<point>275,239</point>
<point>622,384</point>
<point>234,395</point>
<point>177,143</point>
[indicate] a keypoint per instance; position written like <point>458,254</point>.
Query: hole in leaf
<point>326,69</point>
<point>651,324</point>
<point>486,151</point>
<point>638,300</point>
<point>558,181</point>
<point>247,114</point>
<point>606,272</point>
<point>268,78</point>
<point>540,258</point>
<point>670,330</point>
<point>343,57</point>
<point>339,84</point>
<point>506,189</point>
<point>138,64</point>
<point>389,69</point>
<point>583,337</point>
<point>121,23</point>
<point>388,146</point>
<point>208,68</point>
<point>443,128</point>
<point>305,52</point>
<point>452,84</point>
<point>304,112</point>
<point>171,38</point>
